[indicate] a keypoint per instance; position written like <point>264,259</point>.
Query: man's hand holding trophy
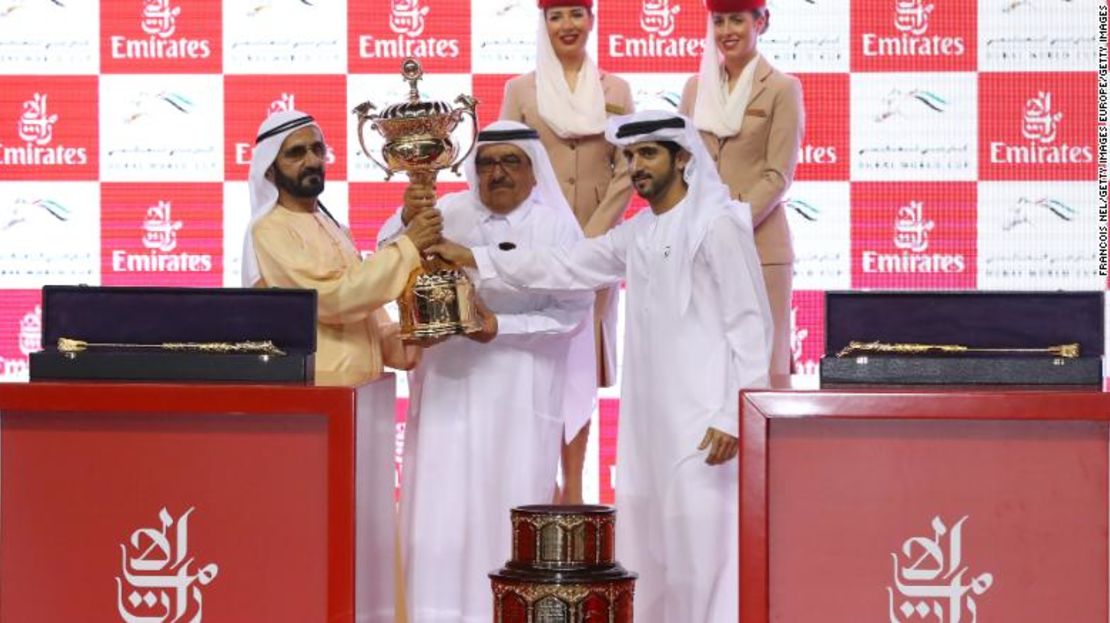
<point>439,300</point>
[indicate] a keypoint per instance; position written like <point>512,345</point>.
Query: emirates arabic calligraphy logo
<point>285,103</point>
<point>30,331</point>
<point>657,17</point>
<point>797,336</point>
<point>932,583</point>
<point>160,18</point>
<point>1039,122</point>
<point>157,586</point>
<point>36,125</point>
<point>911,229</point>
<point>407,17</point>
<point>159,228</point>
<point>912,16</point>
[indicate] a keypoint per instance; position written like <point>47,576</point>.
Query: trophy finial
<point>413,73</point>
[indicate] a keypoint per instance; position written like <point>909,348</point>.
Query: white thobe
<point>684,365</point>
<point>485,421</point>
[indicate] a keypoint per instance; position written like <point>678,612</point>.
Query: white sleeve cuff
<point>726,421</point>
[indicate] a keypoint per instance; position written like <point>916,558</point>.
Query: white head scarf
<point>569,114</point>
<point>707,197</point>
<point>580,380</point>
<point>547,191</point>
<point>717,109</point>
<point>264,194</point>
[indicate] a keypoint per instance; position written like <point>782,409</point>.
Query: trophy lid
<point>415,108</point>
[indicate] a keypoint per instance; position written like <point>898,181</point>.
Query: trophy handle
<point>363,113</point>
<point>468,106</point>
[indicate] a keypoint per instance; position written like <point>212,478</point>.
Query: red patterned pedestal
<point>562,569</point>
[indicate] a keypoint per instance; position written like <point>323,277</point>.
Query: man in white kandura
<point>486,414</point>
<point>698,331</point>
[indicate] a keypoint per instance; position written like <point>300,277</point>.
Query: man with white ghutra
<point>487,410</point>
<point>698,331</point>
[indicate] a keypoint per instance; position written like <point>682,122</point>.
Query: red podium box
<point>923,506</point>
<point>144,502</point>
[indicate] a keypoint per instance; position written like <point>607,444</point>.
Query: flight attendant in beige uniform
<point>752,120</point>
<point>567,100</point>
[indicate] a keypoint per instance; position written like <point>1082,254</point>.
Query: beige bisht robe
<point>354,336</point>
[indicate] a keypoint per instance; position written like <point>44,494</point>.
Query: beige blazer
<point>592,174</point>
<point>758,164</point>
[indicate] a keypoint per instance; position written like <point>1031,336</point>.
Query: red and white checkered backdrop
<point>949,143</point>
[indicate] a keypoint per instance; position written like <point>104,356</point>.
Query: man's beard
<point>656,186</point>
<point>300,187</point>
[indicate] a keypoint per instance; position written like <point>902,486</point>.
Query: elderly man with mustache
<point>487,411</point>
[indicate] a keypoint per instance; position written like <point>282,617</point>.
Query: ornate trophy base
<point>562,569</point>
<point>437,302</point>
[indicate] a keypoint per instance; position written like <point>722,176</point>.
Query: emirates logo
<point>160,18</point>
<point>931,579</point>
<point>657,38</point>
<point>912,16</point>
<point>798,336</point>
<point>30,331</point>
<point>160,241</point>
<point>911,240</point>
<point>36,125</point>
<point>911,228</point>
<point>406,17</point>
<point>157,581</point>
<point>1039,122</point>
<point>35,128</point>
<point>284,103</point>
<point>657,17</point>
<point>911,20</point>
<point>159,23</point>
<point>1040,126</point>
<point>159,228</point>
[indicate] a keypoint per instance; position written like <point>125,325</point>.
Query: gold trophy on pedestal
<point>438,299</point>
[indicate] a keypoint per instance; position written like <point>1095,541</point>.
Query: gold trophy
<point>439,299</point>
